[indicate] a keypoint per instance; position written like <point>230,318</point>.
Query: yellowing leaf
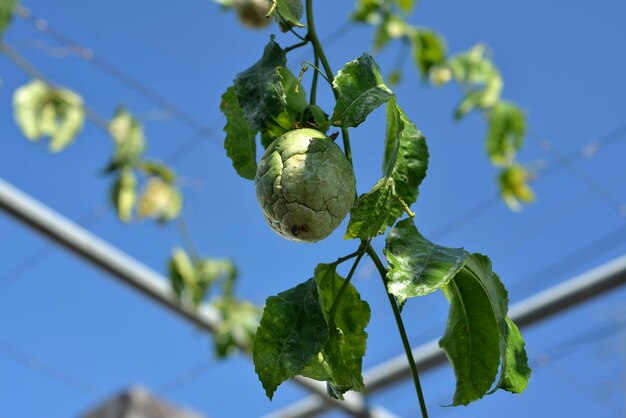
<point>41,110</point>
<point>159,200</point>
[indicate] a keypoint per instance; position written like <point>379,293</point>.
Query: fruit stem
<point>319,52</point>
<point>405,340</point>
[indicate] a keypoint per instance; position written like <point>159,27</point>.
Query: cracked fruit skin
<point>305,185</point>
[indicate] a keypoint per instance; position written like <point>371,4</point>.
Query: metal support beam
<point>141,278</point>
<point>527,312</point>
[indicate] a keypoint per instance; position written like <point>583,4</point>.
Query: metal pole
<point>527,312</point>
<point>141,278</point>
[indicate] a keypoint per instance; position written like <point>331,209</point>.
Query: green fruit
<point>305,185</point>
<point>252,13</point>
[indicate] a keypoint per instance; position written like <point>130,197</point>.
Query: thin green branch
<point>344,286</point>
<point>319,51</point>
<point>405,340</point>
<point>349,256</point>
<point>296,46</point>
<point>316,74</point>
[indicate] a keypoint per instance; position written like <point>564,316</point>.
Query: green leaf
<point>479,76</point>
<point>259,89</point>
<point>361,89</point>
<point>515,371</point>
<point>514,188</point>
<point>429,50</point>
<point>418,267</point>
<point>292,331</point>
<point>295,95</point>
<point>507,126</point>
<point>289,14</point>
<point>365,11</point>
<point>41,110</point>
<point>340,362</point>
<point>392,27</point>
<point>182,273</point>
<point>192,280</point>
<point>240,320</point>
<point>158,169</point>
<point>7,8</point>
<point>394,77</point>
<point>473,340</point>
<point>127,134</point>
<point>314,117</point>
<point>404,167</point>
<point>405,5</point>
<point>240,142</point>
<point>479,337</point>
<point>212,270</point>
<point>124,194</point>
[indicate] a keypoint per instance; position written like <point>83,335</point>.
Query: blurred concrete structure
<point>136,402</point>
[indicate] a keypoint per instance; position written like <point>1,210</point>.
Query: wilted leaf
<point>361,89</point>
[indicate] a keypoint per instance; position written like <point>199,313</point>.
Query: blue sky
<point>71,336</point>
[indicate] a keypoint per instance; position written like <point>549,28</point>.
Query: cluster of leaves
<point>477,75</point>
<point>44,110</point>
<point>267,99</point>
<point>195,279</point>
<point>160,199</point>
<point>479,337</point>
<point>303,332</point>
<point>317,329</point>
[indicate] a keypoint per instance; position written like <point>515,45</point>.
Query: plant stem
<point>405,341</point>
<point>316,76</point>
<point>319,52</point>
<point>344,286</point>
<point>298,45</point>
<point>349,256</point>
